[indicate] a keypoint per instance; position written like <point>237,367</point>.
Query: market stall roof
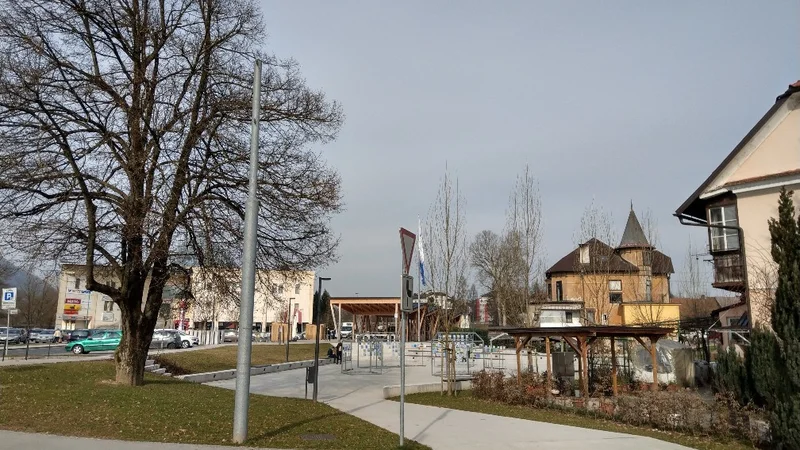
<point>368,306</point>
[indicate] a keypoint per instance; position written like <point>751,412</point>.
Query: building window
<point>550,289</point>
<point>568,315</point>
<point>584,254</point>
<point>297,288</point>
<point>108,306</point>
<point>77,283</point>
<point>590,314</point>
<point>615,291</point>
<point>723,239</point>
<point>647,258</point>
<point>648,290</point>
<point>559,292</point>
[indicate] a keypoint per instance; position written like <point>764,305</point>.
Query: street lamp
<point>317,313</point>
<point>288,326</point>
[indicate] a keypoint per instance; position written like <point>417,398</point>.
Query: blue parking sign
<point>9,298</point>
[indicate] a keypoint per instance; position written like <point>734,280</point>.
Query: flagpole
<point>419,296</point>
<point>419,279</point>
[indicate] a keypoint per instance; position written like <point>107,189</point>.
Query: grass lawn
<point>79,399</point>
<point>465,401</point>
<point>224,357</point>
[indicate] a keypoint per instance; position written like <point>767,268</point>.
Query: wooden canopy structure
<point>368,306</point>
<point>581,338</point>
<point>365,308</point>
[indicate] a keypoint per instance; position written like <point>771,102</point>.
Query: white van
<point>347,330</point>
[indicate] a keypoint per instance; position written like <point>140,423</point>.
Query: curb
<point>255,370</point>
<point>394,391</point>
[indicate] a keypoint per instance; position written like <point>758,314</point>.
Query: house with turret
<point>623,285</point>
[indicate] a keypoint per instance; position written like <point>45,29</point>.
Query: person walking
<point>339,353</point>
<point>57,335</point>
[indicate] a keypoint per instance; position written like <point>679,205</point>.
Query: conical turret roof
<point>633,236</point>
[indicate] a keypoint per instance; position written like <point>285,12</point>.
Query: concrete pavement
<point>441,429</point>
<point>13,440</point>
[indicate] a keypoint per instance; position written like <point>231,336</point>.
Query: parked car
<point>77,335</point>
<point>166,339</point>
<point>299,337</point>
<point>42,335</point>
<point>98,341</point>
<point>230,335</point>
<point>33,334</point>
<point>188,340</point>
<point>13,336</point>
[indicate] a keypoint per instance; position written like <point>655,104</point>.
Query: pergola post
<point>613,366</point>
<point>584,348</point>
<point>519,363</point>
<point>652,349</point>
<point>653,340</point>
<point>549,367</point>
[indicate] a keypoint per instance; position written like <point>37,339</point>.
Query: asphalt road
<point>40,350</point>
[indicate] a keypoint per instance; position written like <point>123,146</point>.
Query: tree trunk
<point>137,332</point>
<point>130,359</point>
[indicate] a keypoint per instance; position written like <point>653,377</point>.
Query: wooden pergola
<point>581,338</point>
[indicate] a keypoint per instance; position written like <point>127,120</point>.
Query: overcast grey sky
<point>618,101</point>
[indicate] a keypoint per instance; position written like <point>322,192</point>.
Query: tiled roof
<point>601,256</point>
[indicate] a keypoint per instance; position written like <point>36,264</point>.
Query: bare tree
<point>762,283</point>
<point>524,222</point>
<point>597,263</point>
<point>124,125</point>
<point>38,299</point>
<point>693,285</point>
<point>447,260</point>
<point>499,268</point>
<point>6,270</point>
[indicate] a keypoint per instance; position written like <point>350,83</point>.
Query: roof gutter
<point>695,222</point>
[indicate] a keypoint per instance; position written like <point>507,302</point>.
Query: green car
<point>98,341</point>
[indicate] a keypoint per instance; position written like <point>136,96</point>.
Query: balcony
<point>729,272</point>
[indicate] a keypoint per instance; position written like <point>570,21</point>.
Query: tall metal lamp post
<point>317,313</point>
<point>288,326</point>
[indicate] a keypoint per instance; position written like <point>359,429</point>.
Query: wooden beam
<point>591,340</point>
<point>584,347</point>
<point>549,367</point>
<point>640,341</point>
<point>654,361</point>
<point>613,367</point>
<point>572,344</point>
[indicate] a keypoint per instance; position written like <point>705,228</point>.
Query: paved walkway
<point>29,441</point>
<point>439,428</point>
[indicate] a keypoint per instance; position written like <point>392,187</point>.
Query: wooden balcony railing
<point>728,269</point>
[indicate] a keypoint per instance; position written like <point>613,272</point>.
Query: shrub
<point>731,376</point>
<point>489,385</point>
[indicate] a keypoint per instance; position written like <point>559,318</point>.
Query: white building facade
<point>209,302</point>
